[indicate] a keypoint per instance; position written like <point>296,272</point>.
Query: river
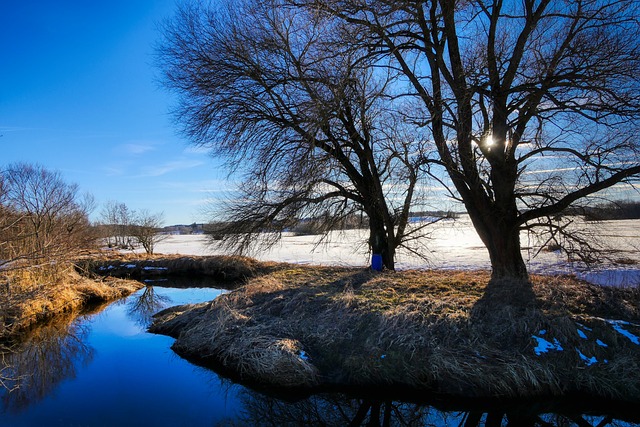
<point>105,369</point>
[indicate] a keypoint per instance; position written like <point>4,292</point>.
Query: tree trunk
<point>502,239</point>
<point>380,244</point>
<point>505,255</point>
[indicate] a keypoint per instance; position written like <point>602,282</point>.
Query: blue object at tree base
<point>376,262</point>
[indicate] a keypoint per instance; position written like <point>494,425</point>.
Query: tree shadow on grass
<point>506,313</point>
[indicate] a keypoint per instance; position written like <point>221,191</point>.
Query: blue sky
<point>79,94</point>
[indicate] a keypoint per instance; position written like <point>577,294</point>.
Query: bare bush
<point>146,229</point>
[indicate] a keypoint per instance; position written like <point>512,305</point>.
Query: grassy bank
<point>139,266</point>
<point>34,295</point>
<point>453,333</point>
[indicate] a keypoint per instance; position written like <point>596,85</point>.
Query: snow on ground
<point>451,245</point>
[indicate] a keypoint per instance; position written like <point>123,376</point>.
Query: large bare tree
<point>533,105</point>
<point>298,110</point>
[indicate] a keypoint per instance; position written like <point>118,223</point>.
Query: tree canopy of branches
<point>145,229</point>
<point>307,119</point>
<point>124,227</point>
<point>533,105</point>
<point>42,218</point>
<point>117,219</point>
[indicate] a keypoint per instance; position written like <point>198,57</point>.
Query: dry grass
<point>31,296</point>
<point>442,331</point>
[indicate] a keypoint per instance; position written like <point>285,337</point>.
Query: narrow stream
<point>104,369</point>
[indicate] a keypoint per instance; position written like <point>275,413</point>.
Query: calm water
<point>104,369</point>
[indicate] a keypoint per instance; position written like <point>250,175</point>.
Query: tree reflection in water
<point>340,410</point>
<point>145,305</point>
<point>49,354</point>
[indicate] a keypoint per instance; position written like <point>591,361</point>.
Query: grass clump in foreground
<point>35,294</point>
<point>455,333</point>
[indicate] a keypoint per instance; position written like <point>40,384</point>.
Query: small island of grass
<point>301,328</point>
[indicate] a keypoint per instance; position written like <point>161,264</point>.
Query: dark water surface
<point>104,369</point>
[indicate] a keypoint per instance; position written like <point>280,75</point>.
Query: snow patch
<point>616,324</point>
<point>452,245</point>
<point>587,360</point>
<point>545,346</point>
<point>584,327</point>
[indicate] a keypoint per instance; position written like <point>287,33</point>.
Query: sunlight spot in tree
<point>488,140</point>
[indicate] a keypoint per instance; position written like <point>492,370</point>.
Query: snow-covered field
<point>451,245</point>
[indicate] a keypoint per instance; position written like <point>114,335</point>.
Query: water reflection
<point>117,365</point>
<point>340,410</point>
<point>35,367</point>
<point>145,304</point>
<point>48,355</point>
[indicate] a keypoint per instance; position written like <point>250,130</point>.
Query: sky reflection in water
<point>107,370</point>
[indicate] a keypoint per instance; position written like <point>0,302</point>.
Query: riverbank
<point>223,268</point>
<point>35,295</point>
<point>29,299</point>
<point>300,328</point>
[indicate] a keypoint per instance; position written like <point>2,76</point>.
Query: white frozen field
<point>451,245</point>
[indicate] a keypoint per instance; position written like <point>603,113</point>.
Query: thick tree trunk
<point>502,239</point>
<point>380,245</point>
<point>505,255</point>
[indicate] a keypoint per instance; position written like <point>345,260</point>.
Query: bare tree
<point>145,229</point>
<point>43,217</point>
<point>118,220</point>
<point>108,221</point>
<point>533,105</point>
<point>304,117</point>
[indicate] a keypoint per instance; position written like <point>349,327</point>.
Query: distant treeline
<point>611,210</point>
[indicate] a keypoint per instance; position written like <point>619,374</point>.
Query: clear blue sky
<point>79,94</point>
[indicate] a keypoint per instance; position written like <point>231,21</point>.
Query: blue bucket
<point>376,262</point>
